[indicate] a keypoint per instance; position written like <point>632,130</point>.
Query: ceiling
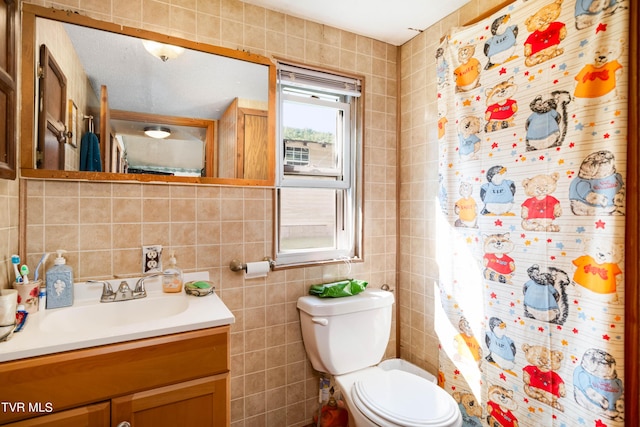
<point>394,22</point>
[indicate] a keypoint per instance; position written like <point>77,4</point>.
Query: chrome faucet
<point>124,292</point>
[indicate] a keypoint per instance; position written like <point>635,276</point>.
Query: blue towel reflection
<point>90,153</point>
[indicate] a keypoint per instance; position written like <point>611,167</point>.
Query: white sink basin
<point>90,323</point>
<point>114,314</point>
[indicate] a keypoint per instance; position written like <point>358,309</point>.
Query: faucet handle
<point>139,291</point>
<point>140,286</point>
<point>107,290</point>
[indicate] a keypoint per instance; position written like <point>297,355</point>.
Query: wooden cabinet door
<point>97,415</point>
<point>8,88</point>
<point>198,403</point>
<point>52,116</point>
<point>252,144</point>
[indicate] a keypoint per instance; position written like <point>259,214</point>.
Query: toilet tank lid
<point>366,300</point>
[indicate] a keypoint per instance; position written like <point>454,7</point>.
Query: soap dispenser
<point>59,280</point>
<point>172,280</point>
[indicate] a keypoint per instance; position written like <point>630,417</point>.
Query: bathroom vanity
<point>162,360</point>
<point>178,379</point>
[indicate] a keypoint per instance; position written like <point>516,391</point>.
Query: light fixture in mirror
<point>112,77</point>
<point>157,132</point>
<point>162,51</point>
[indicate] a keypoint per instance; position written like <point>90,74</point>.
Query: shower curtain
<point>532,105</point>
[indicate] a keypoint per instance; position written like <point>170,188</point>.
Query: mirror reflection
<point>102,97</point>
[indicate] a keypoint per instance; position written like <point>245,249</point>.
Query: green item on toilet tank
<point>343,288</point>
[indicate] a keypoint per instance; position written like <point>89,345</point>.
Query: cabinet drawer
<point>78,378</point>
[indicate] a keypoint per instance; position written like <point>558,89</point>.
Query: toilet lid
<point>401,398</point>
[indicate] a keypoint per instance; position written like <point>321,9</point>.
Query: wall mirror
<point>93,91</point>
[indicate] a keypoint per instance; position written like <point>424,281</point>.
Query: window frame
<point>348,185</point>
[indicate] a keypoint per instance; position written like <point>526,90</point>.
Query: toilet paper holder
<point>236,265</point>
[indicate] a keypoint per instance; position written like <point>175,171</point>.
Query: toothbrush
<point>15,260</point>
<point>24,270</point>
<point>43,261</point>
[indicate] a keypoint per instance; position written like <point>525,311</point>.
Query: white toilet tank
<point>343,335</point>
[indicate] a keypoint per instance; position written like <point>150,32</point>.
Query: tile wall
<point>104,225</point>
<point>8,229</point>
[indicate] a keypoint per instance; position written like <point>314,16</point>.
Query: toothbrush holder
<point>28,294</point>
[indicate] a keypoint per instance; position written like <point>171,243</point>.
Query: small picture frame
<point>72,136</point>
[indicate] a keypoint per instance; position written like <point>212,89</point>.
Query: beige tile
<point>154,234</point>
<point>95,189</point>
<point>61,189</point>
<point>156,13</point>
<point>207,257</point>
<point>95,236</point>
<point>276,398</point>
<point>127,261</point>
<point>275,315</point>
<point>187,4</point>
<point>183,210</point>
<point>295,48</point>
<point>126,189</point>
<point>255,383</point>
<point>295,371</point>
<point>208,6</point>
<point>255,318</point>
<point>231,33</point>
<point>208,28</point>
<point>237,410</point>
<point>232,210</point>
<point>130,9</point>
<point>237,388</point>
<point>61,237</point>
<point>232,232</point>
<point>157,210</point>
<point>35,238</point>
<point>156,191</point>
<point>254,296</point>
<point>276,357</point>
<point>95,210</point>
<point>254,341</point>
<point>35,213</point>
<point>254,231</point>
<point>61,210</point>
<point>183,234</point>
<point>94,264</point>
<point>127,210</point>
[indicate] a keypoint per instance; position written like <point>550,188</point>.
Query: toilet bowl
<point>347,337</point>
<point>396,397</point>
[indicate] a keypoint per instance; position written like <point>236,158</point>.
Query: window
<point>319,176</point>
<point>295,156</point>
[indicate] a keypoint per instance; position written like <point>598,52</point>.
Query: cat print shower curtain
<point>532,105</point>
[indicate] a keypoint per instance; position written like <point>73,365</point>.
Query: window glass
<point>308,219</point>
<point>318,215</point>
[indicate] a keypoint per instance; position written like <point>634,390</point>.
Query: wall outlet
<point>152,259</point>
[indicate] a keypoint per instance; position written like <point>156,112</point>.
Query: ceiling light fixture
<point>158,132</point>
<point>161,50</point>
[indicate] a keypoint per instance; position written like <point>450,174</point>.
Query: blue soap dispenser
<point>59,283</point>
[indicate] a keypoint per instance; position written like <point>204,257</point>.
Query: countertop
<point>39,335</point>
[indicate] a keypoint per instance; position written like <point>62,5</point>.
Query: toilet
<point>347,337</point>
